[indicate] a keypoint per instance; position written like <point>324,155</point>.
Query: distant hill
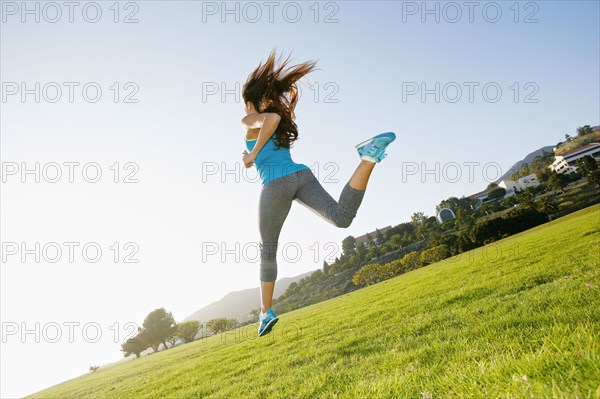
<point>525,161</point>
<point>238,304</point>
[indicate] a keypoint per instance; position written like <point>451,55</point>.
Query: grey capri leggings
<point>276,199</point>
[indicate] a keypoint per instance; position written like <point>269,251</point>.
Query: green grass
<point>518,318</point>
<point>577,196</point>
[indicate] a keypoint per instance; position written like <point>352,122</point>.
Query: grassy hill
<point>519,318</point>
<point>578,142</point>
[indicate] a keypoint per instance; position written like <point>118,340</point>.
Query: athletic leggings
<point>276,199</point>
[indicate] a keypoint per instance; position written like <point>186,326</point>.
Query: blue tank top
<point>273,162</point>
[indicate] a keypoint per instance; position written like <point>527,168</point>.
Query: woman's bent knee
<point>342,218</point>
<point>343,222</point>
<point>268,273</point>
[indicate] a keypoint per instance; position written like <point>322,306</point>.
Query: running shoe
<point>373,149</point>
<point>267,322</point>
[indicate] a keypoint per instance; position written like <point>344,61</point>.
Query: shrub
<point>411,260</point>
<point>522,219</point>
<point>516,221</point>
<point>434,254</point>
<point>375,272</point>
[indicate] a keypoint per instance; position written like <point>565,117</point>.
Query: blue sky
<point>177,132</point>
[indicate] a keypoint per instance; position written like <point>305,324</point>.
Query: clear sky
<point>157,100</point>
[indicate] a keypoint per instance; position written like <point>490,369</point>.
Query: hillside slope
<point>577,142</point>
<point>517,318</point>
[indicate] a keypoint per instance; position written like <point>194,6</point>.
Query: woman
<point>270,95</point>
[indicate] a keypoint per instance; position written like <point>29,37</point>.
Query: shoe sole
<point>269,326</point>
<point>387,134</point>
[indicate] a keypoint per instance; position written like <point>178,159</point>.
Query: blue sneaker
<point>373,149</point>
<point>267,322</point>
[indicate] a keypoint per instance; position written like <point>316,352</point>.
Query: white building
<point>567,162</point>
<point>479,198</point>
<point>444,215</point>
<point>513,187</point>
<point>510,186</point>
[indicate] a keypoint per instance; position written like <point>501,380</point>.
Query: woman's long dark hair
<point>271,89</point>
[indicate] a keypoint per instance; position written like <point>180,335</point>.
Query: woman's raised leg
<point>339,213</point>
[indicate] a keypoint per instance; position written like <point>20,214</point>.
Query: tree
<point>589,167</point>
<point>188,330</point>
<point>173,338</point>
<point>348,245</point>
<point>135,345</point>
<point>457,204</point>
<point>293,287</point>
<point>485,208</point>
<point>567,137</point>
<point>385,248</point>
<point>521,219</point>
<point>94,368</point>
<point>459,220</point>
<point>418,219</point>
<point>370,241</point>
<point>496,192</point>
<point>361,251</point>
<point>220,325</point>
<point>158,326</point>
<point>450,203</point>
<point>546,206</point>
<point>584,130</point>
<point>526,200</point>
<point>372,253</point>
<point>510,201</point>
<point>463,218</point>
<point>543,175</point>
<point>557,182</point>
<point>396,241</point>
<point>379,236</point>
<point>353,261</point>
<point>326,268</point>
<point>316,276</point>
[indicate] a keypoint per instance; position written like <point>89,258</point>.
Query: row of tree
<point>159,327</point>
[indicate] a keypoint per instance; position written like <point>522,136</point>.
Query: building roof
<point>478,194</point>
<point>373,234</point>
<point>584,148</point>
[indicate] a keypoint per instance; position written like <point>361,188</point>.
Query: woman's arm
<point>268,123</point>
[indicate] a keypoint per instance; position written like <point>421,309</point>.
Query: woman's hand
<point>248,159</point>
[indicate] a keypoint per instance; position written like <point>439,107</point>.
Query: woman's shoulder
<point>251,134</point>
